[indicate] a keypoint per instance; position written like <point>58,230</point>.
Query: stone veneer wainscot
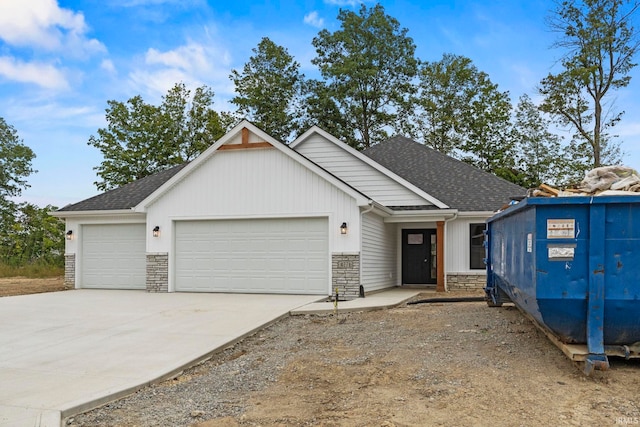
<point>70,270</point>
<point>158,272</point>
<point>345,275</point>
<point>460,282</point>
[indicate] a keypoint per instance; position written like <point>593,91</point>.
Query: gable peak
<point>245,139</point>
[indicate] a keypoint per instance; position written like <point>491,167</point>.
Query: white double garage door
<point>280,255</point>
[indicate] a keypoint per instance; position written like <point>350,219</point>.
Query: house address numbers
<point>345,264</point>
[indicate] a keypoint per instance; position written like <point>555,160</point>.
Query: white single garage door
<point>113,256</point>
<point>288,256</point>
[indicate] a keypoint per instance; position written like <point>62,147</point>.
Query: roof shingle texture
<point>127,196</point>
<point>453,182</point>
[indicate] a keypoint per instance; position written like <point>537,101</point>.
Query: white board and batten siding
<point>113,256</point>
<point>357,173</point>
<point>256,183</point>
<point>378,258</point>
<point>458,245</point>
<point>256,190</point>
<point>285,256</point>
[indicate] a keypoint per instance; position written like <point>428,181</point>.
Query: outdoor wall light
<point>156,231</point>
<point>343,228</point>
<point>69,235</point>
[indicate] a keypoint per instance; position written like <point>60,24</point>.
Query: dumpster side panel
<point>512,253</point>
<point>563,268</point>
<point>573,264</point>
<point>622,274</point>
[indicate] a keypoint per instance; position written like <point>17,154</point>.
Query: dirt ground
<point>454,364</point>
<point>10,286</point>
<point>437,364</point>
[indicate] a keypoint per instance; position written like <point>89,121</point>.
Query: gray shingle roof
<point>458,184</point>
<point>127,196</point>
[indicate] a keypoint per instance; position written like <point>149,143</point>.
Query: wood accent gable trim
<point>245,136</point>
<point>245,144</point>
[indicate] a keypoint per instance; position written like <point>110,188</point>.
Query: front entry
<point>419,257</point>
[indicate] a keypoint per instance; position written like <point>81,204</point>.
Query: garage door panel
<point>113,256</point>
<point>254,256</point>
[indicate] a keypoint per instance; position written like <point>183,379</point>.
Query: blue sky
<point>61,60</point>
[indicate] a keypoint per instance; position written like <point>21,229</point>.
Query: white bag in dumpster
<point>621,178</point>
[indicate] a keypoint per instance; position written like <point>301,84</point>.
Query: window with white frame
<point>476,256</point>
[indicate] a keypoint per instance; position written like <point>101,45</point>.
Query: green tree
<point>458,111</point>
<point>368,66</point>
<point>322,110</point>
<point>34,237</point>
<point>15,167</point>
<point>539,153</point>
<point>131,145</point>
<point>600,44</point>
<point>141,139</point>
<point>15,163</point>
<point>445,92</point>
<point>484,128</point>
<point>269,90</point>
<point>189,123</point>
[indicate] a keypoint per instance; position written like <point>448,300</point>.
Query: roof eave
<point>378,208</point>
<point>476,213</point>
<point>422,216</point>
<point>96,213</point>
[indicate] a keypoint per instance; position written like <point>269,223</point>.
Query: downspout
<point>455,215</point>
<point>369,209</point>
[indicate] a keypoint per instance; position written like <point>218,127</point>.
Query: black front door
<point>419,257</point>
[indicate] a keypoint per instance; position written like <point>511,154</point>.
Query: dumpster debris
<point>602,181</point>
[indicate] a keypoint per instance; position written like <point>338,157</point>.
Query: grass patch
<point>32,271</point>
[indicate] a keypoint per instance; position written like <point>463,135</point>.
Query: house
<point>253,215</point>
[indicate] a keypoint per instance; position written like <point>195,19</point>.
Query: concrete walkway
<point>386,299</point>
<point>65,352</point>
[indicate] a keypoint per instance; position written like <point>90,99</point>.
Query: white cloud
<point>157,82</point>
<point>194,64</point>
<point>44,25</point>
<point>44,75</point>
<point>192,57</point>
<point>627,129</point>
<point>108,66</point>
<point>313,19</point>
<point>51,114</point>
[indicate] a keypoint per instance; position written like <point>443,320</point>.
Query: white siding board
<point>357,173</point>
<point>254,183</point>
<point>457,249</point>
<point>241,182</point>
<point>378,257</point>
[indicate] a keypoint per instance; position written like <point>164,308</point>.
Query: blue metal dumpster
<point>573,264</point>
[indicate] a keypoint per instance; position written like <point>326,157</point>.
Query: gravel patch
<point>426,364</point>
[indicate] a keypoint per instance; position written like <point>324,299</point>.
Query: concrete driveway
<point>64,352</point>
